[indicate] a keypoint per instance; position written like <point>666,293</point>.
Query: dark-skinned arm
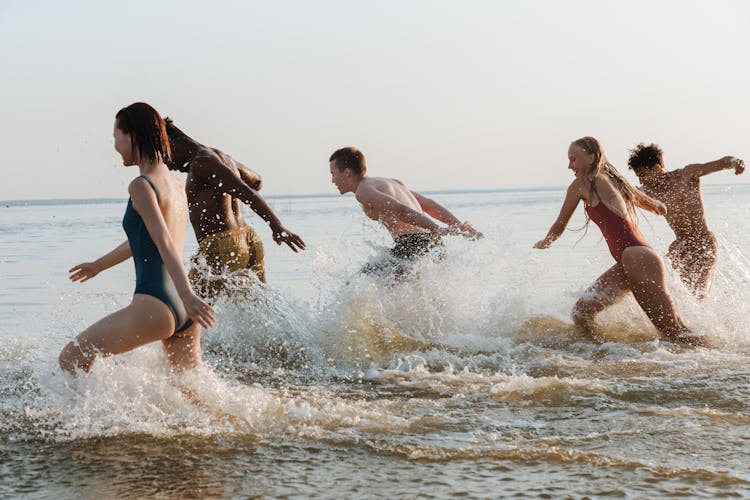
<point>225,181</point>
<point>249,177</point>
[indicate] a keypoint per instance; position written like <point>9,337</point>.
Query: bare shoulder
<point>224,158</point>
<point>578,186</point>
<point>138,186</point>
<point>677,174</point>
<point>386,184</point>
<point>206,163</point>
<point>685,176</point>
<point>366,187</point>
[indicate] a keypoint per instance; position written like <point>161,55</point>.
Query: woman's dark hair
<point>148,133</point>
<point>350,158</point>
<point>645,156</point>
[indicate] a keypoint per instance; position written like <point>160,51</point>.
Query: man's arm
<point>385,205</point>
<point>223,180</point>
<point>439,212</point>
<point>726,163</point>
<point>249,177</point>
<point>436,210</point>
<point>644,201</point>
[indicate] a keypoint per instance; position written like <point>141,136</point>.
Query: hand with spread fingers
<point>283,235</point>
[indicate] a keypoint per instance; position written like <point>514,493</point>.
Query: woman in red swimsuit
<point>610,202</point>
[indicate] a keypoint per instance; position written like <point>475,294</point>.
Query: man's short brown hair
<point>350,157</point>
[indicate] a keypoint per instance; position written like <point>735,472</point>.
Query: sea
<point>463,379</point>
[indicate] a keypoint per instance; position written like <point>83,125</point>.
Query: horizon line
<point>98,201</point>
<point>94,201</point>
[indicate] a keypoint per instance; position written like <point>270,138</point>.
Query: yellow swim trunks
<point>226,252</point>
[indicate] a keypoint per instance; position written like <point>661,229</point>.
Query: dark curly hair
<point>645,156</point>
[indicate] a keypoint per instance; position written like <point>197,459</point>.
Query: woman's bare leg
<point>645,273</point>
<point>607,290</point>
<point>145,320</point>
<point>183,349</point>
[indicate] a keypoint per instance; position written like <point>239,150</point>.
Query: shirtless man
<point>215,186</point>
<point>404,213</point>
<point>693,252</point>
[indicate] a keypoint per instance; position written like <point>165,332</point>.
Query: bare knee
<point>74,357</point>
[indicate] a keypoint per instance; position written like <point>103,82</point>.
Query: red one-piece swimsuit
<point>620,233</point>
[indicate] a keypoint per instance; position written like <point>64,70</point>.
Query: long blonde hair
<point>602,165</point>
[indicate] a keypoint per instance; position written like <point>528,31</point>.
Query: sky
<point>442,95</point>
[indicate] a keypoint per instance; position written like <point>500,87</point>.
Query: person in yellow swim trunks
<point>228,251</point>
<point>216,184</point>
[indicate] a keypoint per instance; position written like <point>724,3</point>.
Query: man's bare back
<point>211,210</point>
<point>407,215</point>
<point>400,194</point>
<point>216,185</point>
<point>681,193</point>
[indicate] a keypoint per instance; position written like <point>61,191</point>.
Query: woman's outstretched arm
<point>87,270</point>
<point>572,197</point>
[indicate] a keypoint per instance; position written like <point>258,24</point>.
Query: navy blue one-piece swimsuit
<point>151,276</point>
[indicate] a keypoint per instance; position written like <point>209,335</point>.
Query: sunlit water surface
<point>467,379</point>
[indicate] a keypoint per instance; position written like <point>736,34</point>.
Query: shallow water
<point>465,380</point>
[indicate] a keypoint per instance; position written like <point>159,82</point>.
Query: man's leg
<point>257,260</point>
<point>695,261</point>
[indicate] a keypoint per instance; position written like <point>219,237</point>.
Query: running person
<point>407,215</point>
<point>610,202</point>
<point>164,307</point>
<point>693,252</point>
<point>216,185</point>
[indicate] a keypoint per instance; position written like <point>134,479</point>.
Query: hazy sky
<point>443,95</point>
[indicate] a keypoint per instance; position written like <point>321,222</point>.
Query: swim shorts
<point>228,251</point>
<point>407,249</point>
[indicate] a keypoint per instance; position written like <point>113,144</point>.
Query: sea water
<point>464,379</point>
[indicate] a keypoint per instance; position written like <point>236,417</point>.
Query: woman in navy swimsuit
<point>164,306</point>
<point>610,202</point>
